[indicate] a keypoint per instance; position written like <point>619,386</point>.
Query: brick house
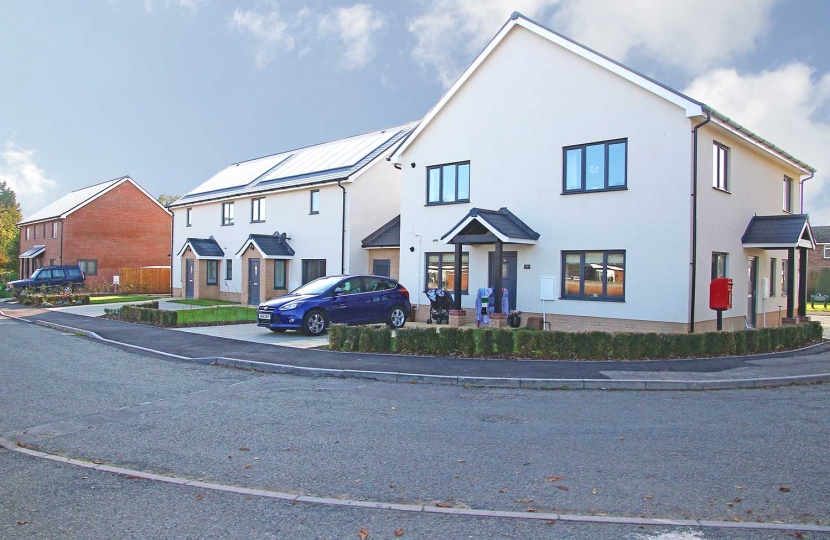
<point>818,258</point>
<point>102,228</point>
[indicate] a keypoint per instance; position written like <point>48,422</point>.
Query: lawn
<point>819,307</point>
<point>201,302</point>
<point>119,298</point>
<point>217,315</point>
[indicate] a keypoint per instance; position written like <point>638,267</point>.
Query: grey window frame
<point>51,262</point>
<point>716,180</point>
<point>258,203</point>
<point>311,210</point>
<point>228,220</point>
<point>716,255</point>
<point>773,270</point>
<point>284,285</point>
<point>228,269</point>
<point>788,194</point>
<point>309,262</point>
<point>440,255</point>
<point>583,147</point>
<point>215,264</point>
<point>581,295</point>
<point>188,217</point>
<point>85,262</point>
<point>824,251</point>
<point>440,168</point>
<point>388,263</point>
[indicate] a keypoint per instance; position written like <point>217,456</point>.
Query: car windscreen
<point>36,274</point>
<point>318,286</point>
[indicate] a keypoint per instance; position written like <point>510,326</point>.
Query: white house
<point>265,226</point>
<point>627,195</point>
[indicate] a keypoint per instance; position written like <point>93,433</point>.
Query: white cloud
<point>788,106</point>
<point>193,5</point>
<point>355,28</point>
<point>270,31</point>
<point>28,181</point>
<point>694,35</point>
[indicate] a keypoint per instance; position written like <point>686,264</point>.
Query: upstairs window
<point>788,194</point>
<point>54,229</point>
<point>719,265</point>
<point>35,232</point>
<point>599,166</point>
<point>28,231</point>
<point>258,210</point>
<point>448,184</point>
<point>315,202</point>
<point>188,215</point>
<point>720,167</point>
<point>227,213</point>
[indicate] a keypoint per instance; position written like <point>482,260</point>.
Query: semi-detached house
<point>262,227</point>
<point>564,175</point>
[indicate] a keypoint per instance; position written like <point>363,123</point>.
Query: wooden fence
<point>151,279</point>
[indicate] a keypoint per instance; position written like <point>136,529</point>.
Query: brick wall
<point>122,228</point>
<point>394,256</point>
<point>53,245</point>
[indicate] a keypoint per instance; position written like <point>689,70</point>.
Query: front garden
<point>150,314</point>
<point>547,345</point>
<point>53,300</point>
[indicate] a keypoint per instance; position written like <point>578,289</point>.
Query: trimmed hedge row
<point>525,343</point>
<point>148,315</point>
<point>54,299</point>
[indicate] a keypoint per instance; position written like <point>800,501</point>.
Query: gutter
<point>694,221</point>
<point>343,231</point>
<point>172,246</point>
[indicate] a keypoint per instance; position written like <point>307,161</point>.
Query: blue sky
<point>172,91</point>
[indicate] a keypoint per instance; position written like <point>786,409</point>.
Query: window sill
<point>227,225</point>
<point>314,213</point>
<point>592,299</point>
<point>258,221</point>
<point>188,225</point>
<point>464,201</point>
<point>604,190</point>
<point>722,190</point>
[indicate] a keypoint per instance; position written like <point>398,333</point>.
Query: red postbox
<point>720,294</point>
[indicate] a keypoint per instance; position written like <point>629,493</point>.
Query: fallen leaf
<point>363,533</point>
<point>133,477</point>
<point>249,498</point>
<point>554,478</point>
<point>97,462</point>
<point>729,504</point>
<point>749,511</point>
<point>392,485</point>
<point>648,497</point>
<point>244,449</point>
<point>530,510</point>
<point>357,481</point>
<point>456,476</point>
<point>550,522</point>
<point>594,491</point>
<point>502,491</point>
<point>563,488</point>
<point>525,501</point>
<point>622,438</point>
<point>22,522</point>
<point>399,532</point>
<point>798,534</point>
<point>739,487</point>
<point>230,457</point>
<point>443,505</point>
<point>248,466</point>
<point>199,497</point>
<point>784,489</point>
<point>737,499</point>
<point>461,460</point>
<point>737,520</point>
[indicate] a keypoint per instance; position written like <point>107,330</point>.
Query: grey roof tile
<point>822,234</point>
<point>503,221</point>
<point>272,245</point>
<point>785,229</point>
<point>388,235</point>
<point>205,247</point>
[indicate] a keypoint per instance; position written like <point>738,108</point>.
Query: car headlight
<point>290,305</point>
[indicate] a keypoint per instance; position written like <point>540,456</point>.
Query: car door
<point>43,278</point>
<point>347,305</point>
<point>379,298</point>
<point>58,277</point>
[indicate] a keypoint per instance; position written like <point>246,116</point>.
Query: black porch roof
<point>204,247</point>
<point>779,232</point>
<point>270,245</point>
<point>388,235</point>
<point>492,225</point>
<point>32,252</point>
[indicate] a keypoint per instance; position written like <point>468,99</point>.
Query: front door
<point>508,274</point>
<point>752,275</point>
<point>188,281</point>
<point>253,282</point>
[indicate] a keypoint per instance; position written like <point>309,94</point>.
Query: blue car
<point>337,299</point>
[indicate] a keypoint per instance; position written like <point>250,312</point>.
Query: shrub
<point>625,345</point>
<point>486,341</point>
<point>719,343</point>
<point>650,346</point>
<point>467,343</point>
<point>505,343</point>
<point>448,340</point>
<point>564,345</point>
<point>762,341</point>
<point>373,339</point>
<point>525,343</point>
<point>416,340</point>
<point>740,342</point>
<point>337,336</point>
<point>545,343</point>
<point>593,345</point>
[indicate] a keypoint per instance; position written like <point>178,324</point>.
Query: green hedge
<point>524,343</point>
<point>144,315</point>
<point>28,299</point>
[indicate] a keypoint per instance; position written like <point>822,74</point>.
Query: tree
<point>10,215</point>
<point>167,198</point>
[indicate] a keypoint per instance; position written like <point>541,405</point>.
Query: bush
<point>719,343</point>
<point>416,340</point>
<point>486,341</point>
<point>372,339</point>
<point>525,343</point>
<point>740,343</point>
<point>467,343</point>
<point>505,343</point>
<point>149,316</point>
<point>337,336</point>
<point>593,345</point>
<point>447,341</point>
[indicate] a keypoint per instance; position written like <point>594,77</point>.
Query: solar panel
<point>240,174</point>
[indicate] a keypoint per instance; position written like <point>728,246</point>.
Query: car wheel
<point>396,318</point>
<point>277,330</point>
<point>315,322</point>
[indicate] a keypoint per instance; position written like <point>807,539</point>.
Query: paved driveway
<point>254,334</point>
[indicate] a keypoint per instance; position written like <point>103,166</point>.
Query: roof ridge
<point>101,183</point>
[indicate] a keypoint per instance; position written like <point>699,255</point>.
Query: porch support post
<point>791,283</point>
<point>802,282</point>
<point>456,286</point>
<point>497,273</point>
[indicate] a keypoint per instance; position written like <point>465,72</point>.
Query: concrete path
<point>256,334</point>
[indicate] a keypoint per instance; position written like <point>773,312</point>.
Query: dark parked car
<point>337,299</point>
<point>64,277</point>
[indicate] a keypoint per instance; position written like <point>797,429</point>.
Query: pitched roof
<point>822,234</point>
<point>32,252</point>
<point>79,198</point>
<point>270,245</point>
<point>502,223</point>
<point>204,248</point>
<point>388,235</point>
<point>691,106</point>
<point>777,232</point>
<point>327,162</point>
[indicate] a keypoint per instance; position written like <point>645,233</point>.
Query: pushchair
<point>440,304</point>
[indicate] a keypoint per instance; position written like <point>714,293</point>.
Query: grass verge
<point>202,302</point>
<point>217,315</point>
<point>119,298</point>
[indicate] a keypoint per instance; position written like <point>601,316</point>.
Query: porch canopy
<point>203,248</point>
<point>482,226</point>
<point>790,232</point>
<point>270,246</point>
<point>33,252</point>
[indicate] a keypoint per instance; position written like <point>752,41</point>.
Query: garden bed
<point>150,314</point>
<point>546,345</point>
<point>52,300</point>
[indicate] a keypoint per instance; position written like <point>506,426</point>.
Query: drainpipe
<point>343,232</point>
<point>172,225</point>
<point>694,221</point>
<point>62,222</point>
<point>812,174</point>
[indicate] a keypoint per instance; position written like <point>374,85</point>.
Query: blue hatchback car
<point>337,299</point>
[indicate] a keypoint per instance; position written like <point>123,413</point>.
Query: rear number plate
<point>265,316</point>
